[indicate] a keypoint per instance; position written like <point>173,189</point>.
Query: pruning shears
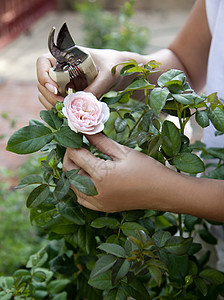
<point>73,65</point>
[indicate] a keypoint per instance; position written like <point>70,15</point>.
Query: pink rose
<point>85,113</point>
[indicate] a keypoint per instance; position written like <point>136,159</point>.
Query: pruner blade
<point>65,51</point>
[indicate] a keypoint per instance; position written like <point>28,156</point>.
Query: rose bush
<point>144,254</point>
<point>85,113</point>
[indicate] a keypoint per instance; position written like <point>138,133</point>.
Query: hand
<point>105,80</point>
<point>131,180</point>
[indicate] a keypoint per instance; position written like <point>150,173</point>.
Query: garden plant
<point>142,254</point>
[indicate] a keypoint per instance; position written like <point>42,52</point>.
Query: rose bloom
<point>85,113</point>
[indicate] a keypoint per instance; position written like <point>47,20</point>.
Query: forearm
<point>178,193</point>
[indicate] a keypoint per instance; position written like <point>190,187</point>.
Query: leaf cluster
<point>142,254</point>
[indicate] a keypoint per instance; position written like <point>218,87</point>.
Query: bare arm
<point>132,180</point>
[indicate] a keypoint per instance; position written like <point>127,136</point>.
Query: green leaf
<point>216,152</point>
<point>68,138</point>
<point>62,188</point>
<point>217,118</point>
<point>178,267</point>
<point>119,270</point>
<point>202,118</point>
<point>86,239</point>
<point>190,221</point>
<point>83,184</point>
<point>136,289</point>
<point>201,286</point>
<point>105,222</point>
<point>113,249</point>
<point>213,276</point>
<point>218,173</point>
<point>30,179</point>
<point>158,97</point>
<point>29,139</point>
<point>130,228</point>
<point>171,138</point>
<point>61,296</point>
<point>171,75</point>
<point>103,264</point>
<point>120,124</point>
<point>138,84</point>
<point>38,195</point>
<point>115,294</point>
<point>178,245</point>
<point>102,282</point>
<point>51,118</point>
<point>189,163</point>
<point>161,237</point>
<point>156,274</point>
<point>186,99</point>
<point>71,212</point>
<point>207,237</point>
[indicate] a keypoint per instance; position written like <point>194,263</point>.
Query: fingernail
<point>51,88</point>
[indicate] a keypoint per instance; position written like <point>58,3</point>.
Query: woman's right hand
<point>104,81</point>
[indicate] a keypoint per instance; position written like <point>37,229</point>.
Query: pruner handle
<point>62,78</point>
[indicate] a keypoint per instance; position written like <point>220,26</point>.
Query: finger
<point>44,101</point>
<point>87,204</point>
<point>69,165</point>
<point>101,84</point>
<point>84,159</point>
<point>108,146</point>
<point>49,97</point>
<point>44,63</point>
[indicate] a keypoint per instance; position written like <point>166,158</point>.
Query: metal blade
<point>64,39</point>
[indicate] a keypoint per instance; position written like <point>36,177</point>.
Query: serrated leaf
<point>136,289</point>
<point>83,184</point>
<point>113,249</point>
<point>161,237</point>
<point>202,118</point>
<point>29,139</point>
<point>201,286</point>
<point>130,228</point>
<point>178,245</point>
<point>120,124</point>
<point>215,277</point>
<point>171,75</point>
<point>68,138</point>
<point>156,274</point>
<point>105,222</point>
<point>189,163</point>
<point>119,270</point>
<point>51,118</point>
<point>71,212</point>
<point>86,239</point>
<point>30,179</point>
<point>158,97</point>
<point>37,196</point>
<point>217,118</point>
<point>171,138</point>
<point>103,264</point>
<point>102,282</point>
<point>186,99</point>
<point>62,188</point>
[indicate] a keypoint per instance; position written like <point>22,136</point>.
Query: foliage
<point>144,254</point>
<point>105,30</point>
<point>16,235</point>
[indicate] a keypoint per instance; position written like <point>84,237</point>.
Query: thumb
<point>108,146</point>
